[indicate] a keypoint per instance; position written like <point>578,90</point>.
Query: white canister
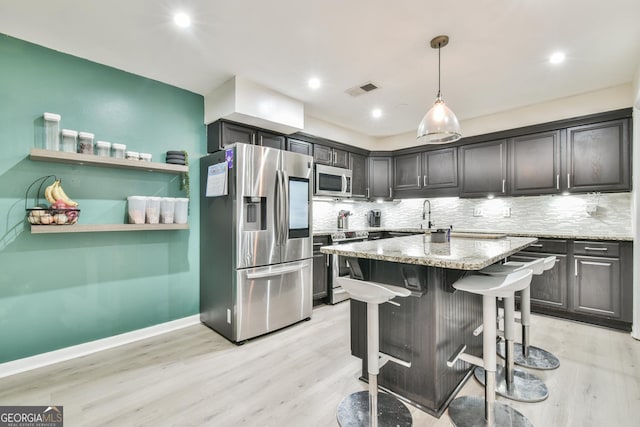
<point>145,157</point>
<point>132,155</point>
<point>85,143</point>
<point>153,210</point>
<point>167,210</point>
<point>52,131</point>
<point>136,206</point>
<point>181,210</point>
<point>69,140</point>
<point>103,148</point>
<point>117,150</point>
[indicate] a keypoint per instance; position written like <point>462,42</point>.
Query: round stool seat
<point>371,292</point>
<point>497,286</point>
<point>536,266</point>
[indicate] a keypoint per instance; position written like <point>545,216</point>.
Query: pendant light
<point>439,125</point>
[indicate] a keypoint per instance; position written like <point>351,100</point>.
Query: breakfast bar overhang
<point>426,328</point>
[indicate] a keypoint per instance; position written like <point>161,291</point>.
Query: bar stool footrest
<point>353,411</point>
<point>526,387</point>
<point>468,411</point>
<point>538,358</point>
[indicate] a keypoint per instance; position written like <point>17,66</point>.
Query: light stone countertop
<point>459,253</point>
<point>539,234</point>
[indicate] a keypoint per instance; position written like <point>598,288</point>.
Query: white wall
<point>317,127</point>
<point>563,108</point>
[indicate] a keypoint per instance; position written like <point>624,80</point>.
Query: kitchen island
<point>427,327</point>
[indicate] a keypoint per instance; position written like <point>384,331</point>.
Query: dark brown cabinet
<point>320,268</point>
<point>360,177</point>
<point>591,281</point>
<point>483,169</point>
<point>221,133</point>
<point>380,178</point>
<point>598,157</point>
<point>534,164</point>
<point>407,170</point>
<point>330,156</point>
<point>297,146</point>
<point>550,288</point>
<point>271,140</point>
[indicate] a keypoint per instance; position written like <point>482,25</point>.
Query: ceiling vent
<point>362,89</point>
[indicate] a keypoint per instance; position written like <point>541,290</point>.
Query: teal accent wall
<point>59,290</point>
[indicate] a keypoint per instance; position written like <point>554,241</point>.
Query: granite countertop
<point>460,253</point>
<point>518,233</point>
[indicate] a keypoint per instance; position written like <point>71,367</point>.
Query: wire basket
<point>41,214</point>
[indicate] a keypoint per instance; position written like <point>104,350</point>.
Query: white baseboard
<point>56,356</point>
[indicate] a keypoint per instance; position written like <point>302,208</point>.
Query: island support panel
<point>426,329</point>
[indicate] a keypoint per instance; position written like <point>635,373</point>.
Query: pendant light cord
<point>439,48</point>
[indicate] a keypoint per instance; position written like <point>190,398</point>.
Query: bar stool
<point>525,354</point>
<point>368,408</point>
<point>473,410</point>
<point>511,382</point>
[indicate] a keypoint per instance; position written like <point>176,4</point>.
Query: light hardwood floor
<point>297,377</point>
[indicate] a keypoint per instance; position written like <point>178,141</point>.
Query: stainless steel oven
<point>332,181</point>
<point>339,264</point>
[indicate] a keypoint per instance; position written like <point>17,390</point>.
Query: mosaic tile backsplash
<point>600,214</point>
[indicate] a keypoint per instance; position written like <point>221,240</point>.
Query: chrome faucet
<point>426,213</point>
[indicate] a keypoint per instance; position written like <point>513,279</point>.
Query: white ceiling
<point>497,58</point>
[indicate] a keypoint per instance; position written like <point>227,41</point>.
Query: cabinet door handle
<point>557,181</point>
<point>390,193</point>
<point>537,245</point>
<point>424,181</point>
<point>335,157</point>
<point>569,180</point>
<point>327,258</point>
<point>588,248</point>
<point>253,139</point>
<point>418,182</point>
<point>575,267</point>
<point>503,183</point>
<point>368,192</point>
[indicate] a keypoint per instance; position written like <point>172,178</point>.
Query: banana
<point>48,193</point>
<point>58,193</point>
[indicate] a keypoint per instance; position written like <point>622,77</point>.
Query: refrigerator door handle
<point>285,207</point>
<point>277,208</point>
<point>274,272</point>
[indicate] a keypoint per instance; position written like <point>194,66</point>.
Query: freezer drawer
<point>272,297</point>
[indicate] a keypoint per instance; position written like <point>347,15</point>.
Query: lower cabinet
<point>320,268</point>
<point>591,281</point>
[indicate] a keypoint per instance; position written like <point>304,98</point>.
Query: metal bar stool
<point>511,382</point>
<point>368,408</point>
<point>473,410</point>
<point>525,354</point>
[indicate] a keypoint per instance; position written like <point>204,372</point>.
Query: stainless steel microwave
<point>332,181</point>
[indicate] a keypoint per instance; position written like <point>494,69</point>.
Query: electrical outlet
<point>506,212</point>
<point>478,212</point>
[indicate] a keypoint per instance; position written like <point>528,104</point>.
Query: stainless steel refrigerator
<point>256,243</point>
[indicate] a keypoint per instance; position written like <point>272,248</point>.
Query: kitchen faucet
<point>425,213</point>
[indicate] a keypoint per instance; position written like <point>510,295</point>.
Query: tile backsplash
<point>600,214</point>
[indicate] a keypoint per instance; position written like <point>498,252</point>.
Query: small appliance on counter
<point>374,217</point>
<point>343,219</point>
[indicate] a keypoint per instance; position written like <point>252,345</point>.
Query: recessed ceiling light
<point>182,20</point>
<point>557,58</point>
<point>314,83</point>
<point>376,113</point>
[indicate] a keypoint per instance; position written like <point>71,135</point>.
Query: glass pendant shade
<point>439,125</point>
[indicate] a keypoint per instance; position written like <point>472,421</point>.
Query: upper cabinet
<point>407,171</point>
<point>483,169</point>
<point>271,140</point>
<point>360,178</point>
<point>221,133</point>
<point>380,178</point>
<point>598,157</point>
<point>297,146</point>
<point>534,164</point>
<point>330,156</point>
<point>427,174</point>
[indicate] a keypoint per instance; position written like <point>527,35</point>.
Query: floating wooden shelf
<point>96,228</point>
<point>109,162</point>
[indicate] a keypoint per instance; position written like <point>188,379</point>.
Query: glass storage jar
<point>52,131</point>
<point>85,143</point>
<point>103,148</point>
<point>117,150</point>
<point>69,140</point>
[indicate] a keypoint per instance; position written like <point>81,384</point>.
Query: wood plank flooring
<point>297,377</point>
